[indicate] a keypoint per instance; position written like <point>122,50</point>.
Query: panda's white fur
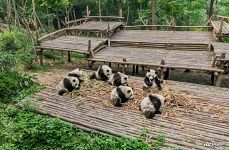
<point>76,73</point>
<point>151,79</point>
<point>68,84</point>
<point>118,79</point>
<point>152,105</point>
<point>121,94</point>
<point>103,73</point>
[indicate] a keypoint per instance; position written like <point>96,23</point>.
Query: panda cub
<point>121,95</point>
<point>151,79</point>
<point>118,79</point>
<point>151,105</point>
<point>76,73</point>
<point>103,73</point>
<point>68,84</point>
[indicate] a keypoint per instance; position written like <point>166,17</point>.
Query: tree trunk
<point>154,10</point>
<point>100,13</point>
<point>211,9</point>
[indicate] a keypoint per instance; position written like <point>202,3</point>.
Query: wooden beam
<point>221,27</point>
<point>51,34</point>
<point>78,21</point>
<point>137,69</point>
<point>222,16</point>
<point>69,56</point>
<point>140,26</point>
<point>158,65</point>
<point>40,53</point>
<point>89,49</point>
<point>87,11</point>
<point>133,72</point>
<point>218,78</point>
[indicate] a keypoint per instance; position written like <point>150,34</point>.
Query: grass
<point>22,129</point>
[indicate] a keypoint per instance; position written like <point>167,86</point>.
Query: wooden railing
<point>106,18</point>
<point>76,22</point>
<point>53,35</point>
<point>165,26</point>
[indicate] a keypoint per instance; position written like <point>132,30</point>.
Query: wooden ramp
<point>194,130</point>
<point>73,43</point>
<point>217,26</point>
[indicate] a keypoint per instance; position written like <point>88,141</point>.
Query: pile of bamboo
<point>99,92</point>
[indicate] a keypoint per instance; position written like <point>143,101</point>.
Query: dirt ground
<point>98,91</point>
<point>56,72</point>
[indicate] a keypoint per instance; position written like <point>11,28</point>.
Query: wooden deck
<point>192,131</point>
<point>197,60</point>
<point>73,43</point>
<point>220,48</point>
<point>150,36</point>
<point>216,26</point>
<point>97,26</point>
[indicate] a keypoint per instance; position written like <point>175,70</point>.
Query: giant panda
<point>78,73</point>
<point>103,73</point>
<point>151,79</point>
<point>151,105</point>
<point>121,95</point>
<point>68,84</point>
<point>118,79</point>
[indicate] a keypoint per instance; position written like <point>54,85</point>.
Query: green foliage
<point>15,46</point>
<point>8,42</point>
<point>7,61</point>
<point>78,56</point>
<point>21,129</point>
<point>160,141</point>
<point>12,83</point>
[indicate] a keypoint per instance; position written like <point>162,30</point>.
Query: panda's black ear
<point>155,72</point>
<point>148,70</point>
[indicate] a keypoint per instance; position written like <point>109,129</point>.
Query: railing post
<point>87,11</point>
<point>120,14</point>
<point>221,27</point>
<point>89,49</point>
<point>108,35</point>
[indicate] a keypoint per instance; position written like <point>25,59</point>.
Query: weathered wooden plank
<point>225,28</point>
<point>174,58</point>
<point>72,43</point>
<point>164,36</point>
<point>198,126</point>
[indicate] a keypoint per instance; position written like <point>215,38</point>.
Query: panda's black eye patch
<point>74,80</point>
<point>125,78</point>
<point>156,72</point>
<point>107,70</point>
<point>128,91</point>
<point>149,75</point>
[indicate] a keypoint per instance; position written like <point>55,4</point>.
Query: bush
<point>11,83</point>
<point>21,129</point>
<point>18,45</point>
<point>7,61</point>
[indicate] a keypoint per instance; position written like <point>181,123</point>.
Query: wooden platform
<point>197,60</point>
<point>164,36</point>
<point>220,48</point>
<point>97,26</point>
<point>192,131</point>
<point>225,28</point>
<point>73,43</point>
